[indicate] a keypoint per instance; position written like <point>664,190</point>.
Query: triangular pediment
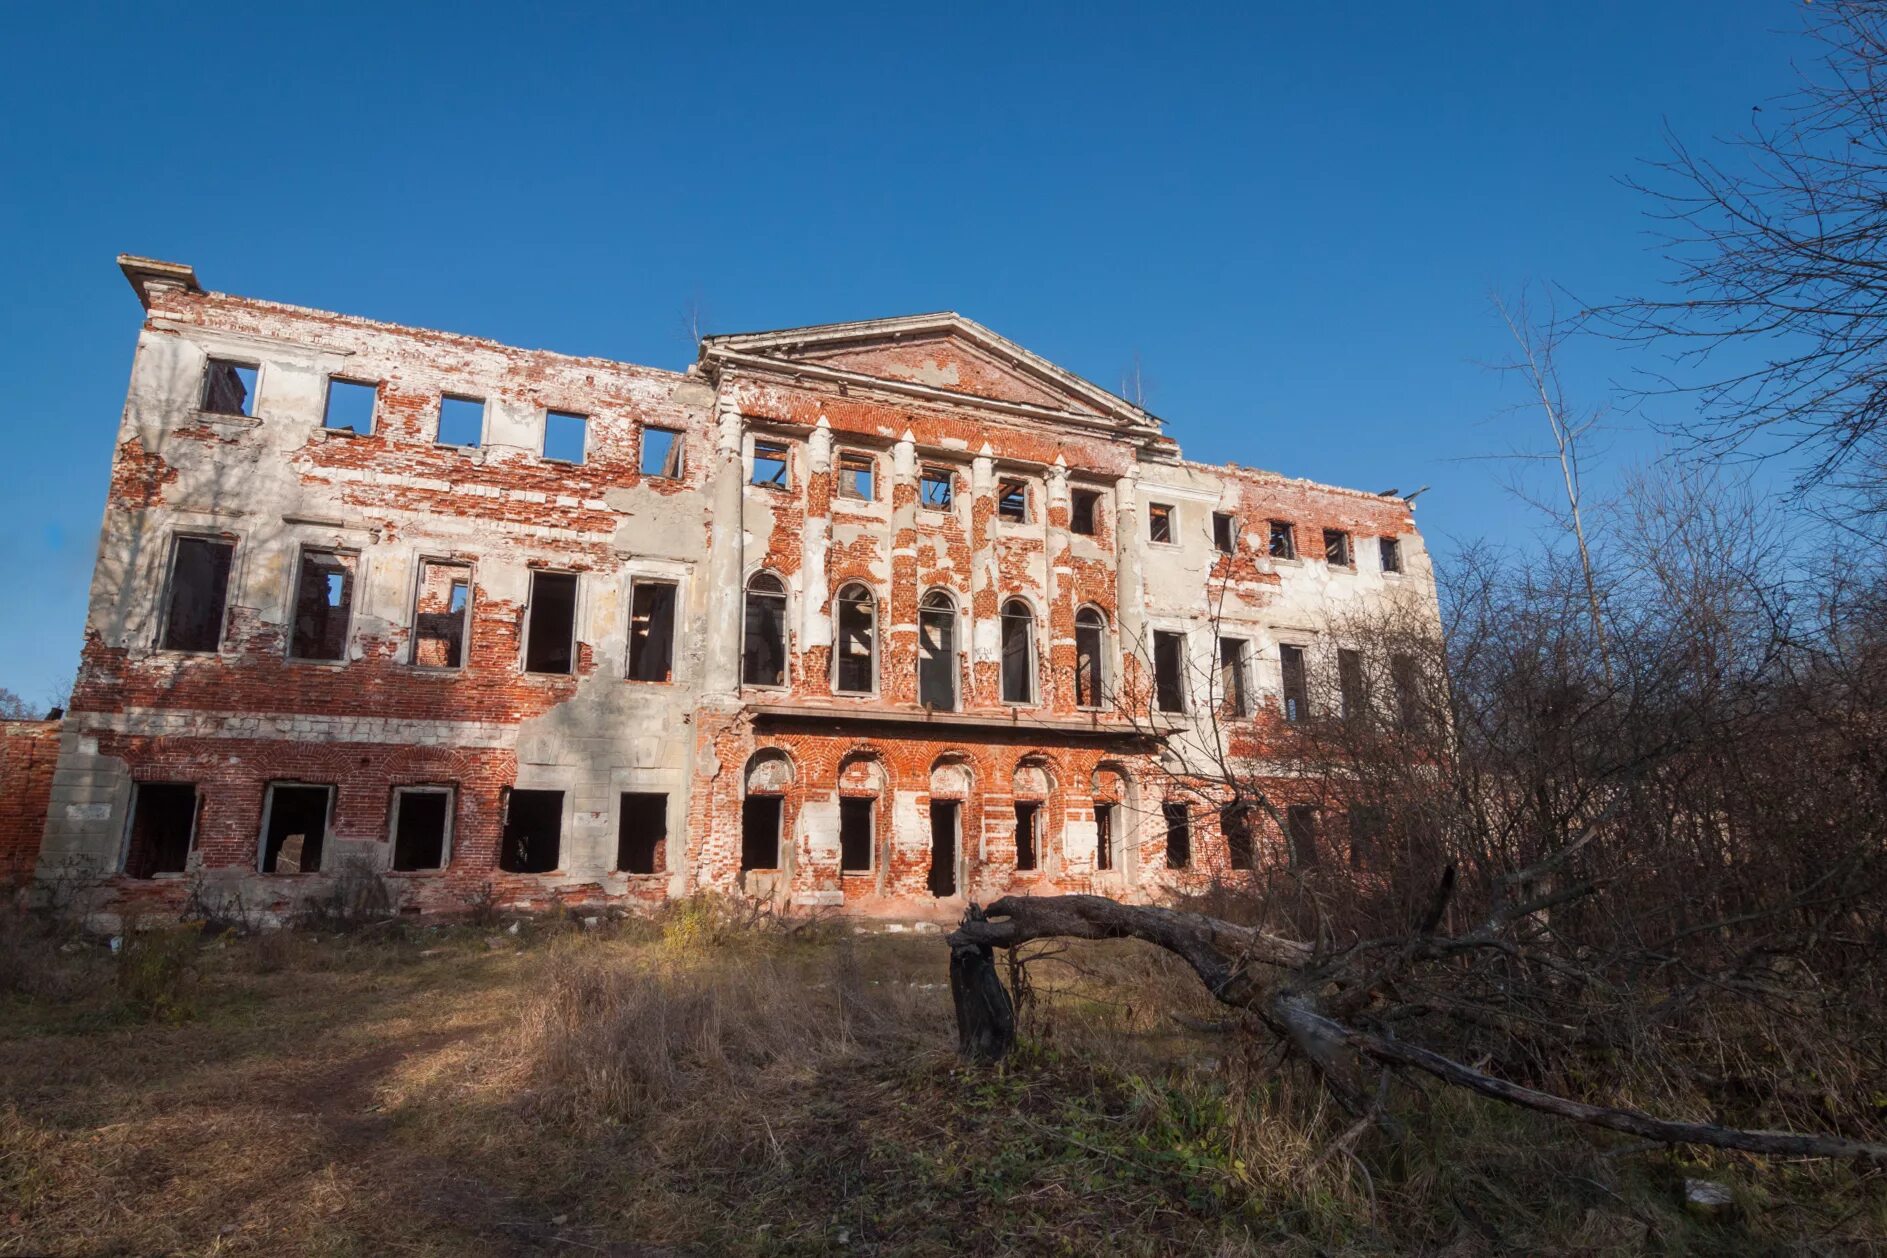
<point>941,353</point>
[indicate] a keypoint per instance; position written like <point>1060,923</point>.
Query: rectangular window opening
<point>641,832</point>
<point>296,828</point>
<point>1350,683</point>
<point>855,835</point>
<point>1224,532</point>
<point>1012,501</point>
<point>1404,676</point>
<point>199,593</point>
<point>461,422</point>
<point>937,658</point>
<point>1178,835</point>
<point>1283,540</point>
<point>229,388</point>
<point>1159,522</point>
<point>1090,643</point>
<point>937,488</point>
<point>943,848</point>
<point>442,615</point>
<point>1368,822</point>
<point>1169,664</point>
<point>422,828</point>
<point>661,453</point>
<point>1235,824</point>
<point>324,603</point>
<point>163,822</point>
<point>1028,823</point>
<point>350,406</point>
<point>769,465</point>
<point>533,832</point>
<point>858,477</point>
<point>551,623</point>
<point>1337,548</point>
<point>1391,554</point>
<point>1104,815</point>
<point>1301,822</point>
<point>1296,683</point>
<point>1233,685</point>
<point>760,832</point>
<point>652,631</point>
<point>1084,510</point>
<point>566,436</point>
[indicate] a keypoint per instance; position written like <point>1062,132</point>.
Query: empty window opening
<point>857,477</point>
<point>566,436</point>
<point>853,662</point>
<point>1350,684</point>
<point>1296,683</point>
<point>461,421</point>
<point>1337,548</point>
<point>324,601</point>
<point>442,615</point>
<point>1234,685</point>
<point>163,821</point>
<point>1391,554</point>
<point>1368,822</point>
<point>1159,522</point>
<point>760,832</point>
<point>1235,824</point>
<point>229,388</point>
<point>1224,532</point>
<point>295,826</point>
<point>1300,822</point>
<point>1178,835</point>
<point>1104,828</point>
<point>943,847</point>
<point>769,465</point>
<point>199,593</point>
<point>422,828</point>
<point>1283,540</point>
<point>652,631</point>
<point>1169,664</point>
<point>641,832</point>
<point>1012,501</point>
<point>350,406</point>
<point>533,833</point>
<point>1084,512</point>
<point>1407,682</point>
<point>1018,652</point>
<point>661,453</point>
<point>763,640</point>
<point>937,652</point>
<point>1028,831</point>
<point>855,836</point>
<point>937,489</point>
<point>1090,648</point>
<point>551,628</point>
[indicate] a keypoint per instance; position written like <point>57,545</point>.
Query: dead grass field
<point>691,1087</point>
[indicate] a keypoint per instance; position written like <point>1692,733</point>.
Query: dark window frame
<point>251,395</point>
<point>394,809</point>
<point>869,602</point>
<point>657,844</point>
<point>846,467</point>
<point>848,868</point>
<point>170,592</point>
<point>1007,622</point>
<point>632,663</point>
<point>1084,512</point>
<point>785,637</point>
<point>940,606</point>
<point>1236,697</point>
<point>268,819</point>
<point>1177,819</point>
<point>1294,681</point>
<point>1345,556</point>
<point>1389,553</point>
<point>349,588</point>
<point>465,615</point>
<point>1225,532</point>
<point>1162,517</point>
<point>1282,541</point>
<point>937,474</point>
<point>1176,692</point>
<point>771,451</point>
<point>530,623</point>
<point>1014,501</point>
<point>1091,620</point>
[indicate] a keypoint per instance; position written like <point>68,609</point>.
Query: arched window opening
<point>1090,647</point>
<point>1018,652</point>
<point>763,642</point>
<point>762,806</point>
<point>937,652</point>
<point>855,639</point>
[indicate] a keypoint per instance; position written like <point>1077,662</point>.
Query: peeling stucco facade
<point>904,397</point>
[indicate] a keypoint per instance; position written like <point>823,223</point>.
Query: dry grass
<point>710,1084</point>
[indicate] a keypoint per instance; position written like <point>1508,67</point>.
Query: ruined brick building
<point>841,615</point>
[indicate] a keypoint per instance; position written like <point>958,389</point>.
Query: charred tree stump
<point>986,1019</point>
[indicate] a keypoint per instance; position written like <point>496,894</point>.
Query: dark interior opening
<point>1178,835</point>
<point>1027,814</point>
<point>1169,691</point>
<point>549,645</point>
<point>760,832</point>
<point>162,815</point>
<point>642,833</point>
<point>324,599</point>
<point>652,632</point>
<point>1104,836</point>
<point>419,836</point>
<point>199,586</point>
<point>855,835</point>
<point>1222,533</point>
<point>1301,820</point>
<point>943,847</point>
<point>533,836</point>
<point>763,636</point>
<point>937,657</point>
<point>1296,683</point>
<point>1081,513</point>
<point>295,813</point>
<point>1235,822</point>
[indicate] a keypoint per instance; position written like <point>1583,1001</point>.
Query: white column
<point>726,531</point>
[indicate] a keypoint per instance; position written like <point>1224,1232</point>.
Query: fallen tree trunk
<point>1289,988</point>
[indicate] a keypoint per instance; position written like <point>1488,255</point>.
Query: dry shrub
<point>38,958</point>
<point>157,974</point>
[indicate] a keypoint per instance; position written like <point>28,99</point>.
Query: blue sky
<point>1292,215</point>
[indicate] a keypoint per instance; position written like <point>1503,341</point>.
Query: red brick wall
<point>28,751</point>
